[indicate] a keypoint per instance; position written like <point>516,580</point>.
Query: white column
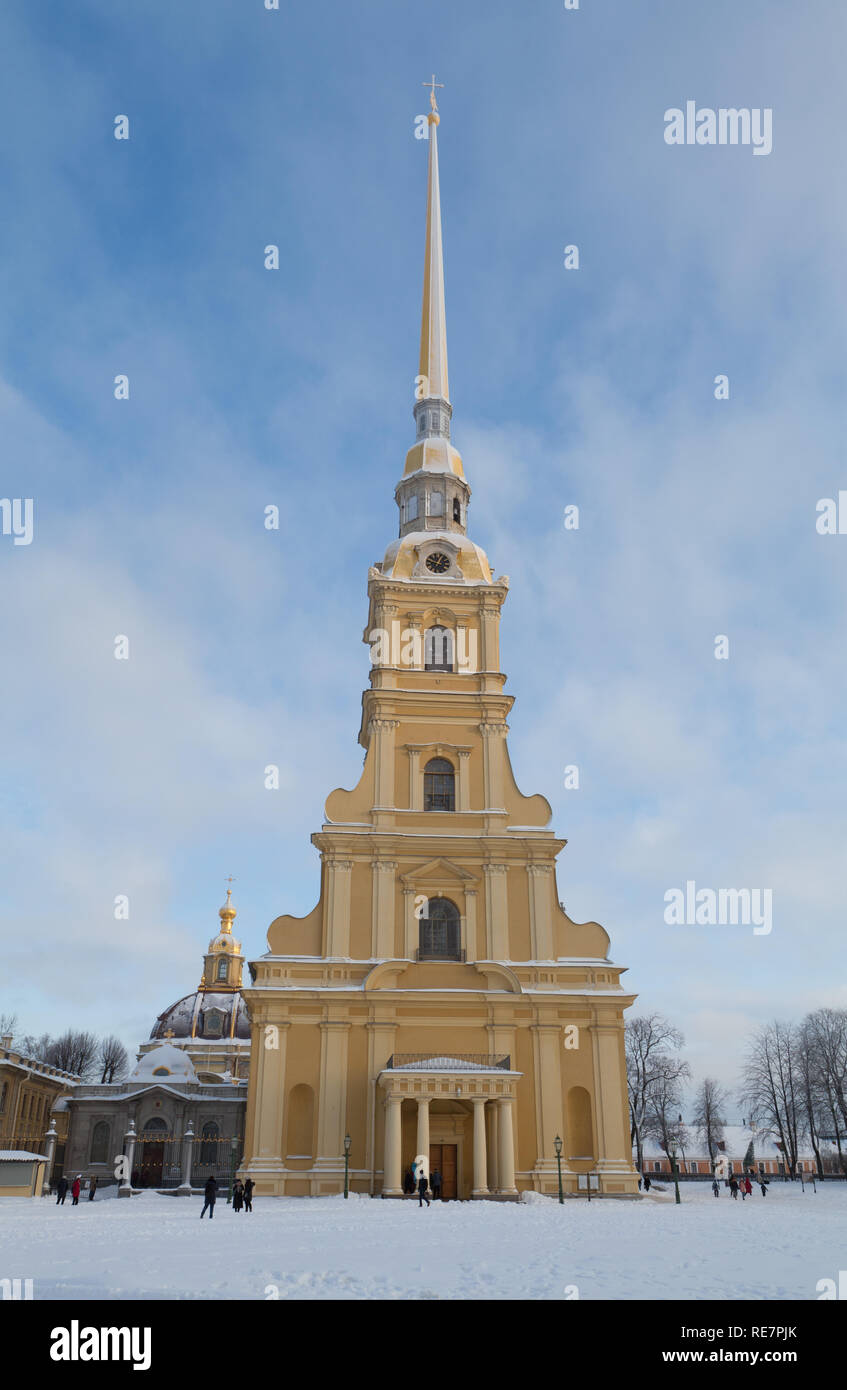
<point>332,1101</point>
<point>391,1184</point>
<point>480,1165</point>
<point>411,924</point>
<point>493,743</point>
<point>471,943</point>
<point>415,779</point>
<point>51,1136</point>
<point>507,1147</point>
<point>540,911</point>
<point>496,912</point>
<point>382,933</point>
<point>423,1129</point>
<point>493,1149</point>
<point>463,800</point>
<point>184,1188</point>
<point>382,732</point>
<point>338,878</point>
<point>125,1189</point>
<point>270,1092</point>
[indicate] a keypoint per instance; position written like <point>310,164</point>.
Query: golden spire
<point>227,913</point>
<point>433,359</point>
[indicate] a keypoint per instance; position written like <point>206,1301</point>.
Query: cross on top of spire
<point>432,84</point>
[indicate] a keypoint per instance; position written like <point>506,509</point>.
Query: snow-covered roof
<point>736,1141</point>
<point>19,1156</point>
<point>163,1061</point>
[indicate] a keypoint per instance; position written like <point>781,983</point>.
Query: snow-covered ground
<point>326,1247</point>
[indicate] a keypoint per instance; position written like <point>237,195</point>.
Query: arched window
<point>580,1129</point>
<point>438,649</point>
<point>99,1143</point>
<point>301,1122</point>
<point>457,509</point>
<point>154,1126</point>
<point>440,932</point>
<point>161,1071</point>
<point>439,785</point>
<point>222,967</point>
<point>209,1142</point>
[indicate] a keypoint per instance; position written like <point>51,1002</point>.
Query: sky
<point>249,387</point>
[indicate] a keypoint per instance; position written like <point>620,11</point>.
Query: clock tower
<point>438,1005</point>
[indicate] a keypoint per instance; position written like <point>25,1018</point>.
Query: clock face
<point>437,563</point>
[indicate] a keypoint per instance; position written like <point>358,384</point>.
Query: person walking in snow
<point>248,1194</point>
<point>61,1191</point>
<point>92,1188</point>
<point>436,1184</point>
<point>646,1182</point>
<point>715,1187</point>
<point>733,1187</point>
<point>422,1190</point>
<point>237,1194</point>
<point>75,1191</point>
<point>763,1183</point>
<point>409,1181</point>
<point>748,1186</point>
<point>211,1194</point>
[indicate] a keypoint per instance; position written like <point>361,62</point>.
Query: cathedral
<point>179,1116</point>
<point>437,1004</point>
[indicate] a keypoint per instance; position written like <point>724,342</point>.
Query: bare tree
<point>708,1116</point>
<point>772,1086</point>
<point>663,1121</point>
<point>651,1042</point>
<point>112,1059</point>
<point>75,1051</point>
<point>8,1025</point>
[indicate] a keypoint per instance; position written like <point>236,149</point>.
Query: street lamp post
<point>232,1168</point>
<point>347,1142</point>
<point>557,1145</point>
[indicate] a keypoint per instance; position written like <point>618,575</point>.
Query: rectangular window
<point>436,504</point>
<point>412,509</point>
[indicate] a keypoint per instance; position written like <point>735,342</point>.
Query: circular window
<point>437,563</point>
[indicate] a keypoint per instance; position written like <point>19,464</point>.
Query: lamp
<point>347,1144</point>
<point>557,1145</point>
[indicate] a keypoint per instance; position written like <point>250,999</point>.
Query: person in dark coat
<point>646,1183</point>
<point>75,1191</point>
<point>237,1195</point>
<point>715,1187</point>
<point>733,1187</point>
<point>248,1194</point>
<point>211,1198</point>
<point>436,1183</point>
<point>61,1191</point>
<point>422,1190</point>
<point>92,1188</point>
<point>763,1183</point>
<point>409,1182</point>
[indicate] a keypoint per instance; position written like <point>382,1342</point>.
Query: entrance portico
<point>450,1104</point>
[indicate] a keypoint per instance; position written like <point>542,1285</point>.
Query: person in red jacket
<point>75,1190</point>
<point>748,1186</point>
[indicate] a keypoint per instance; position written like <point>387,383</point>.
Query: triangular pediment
<point>439,871</point>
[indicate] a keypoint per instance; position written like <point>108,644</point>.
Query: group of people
<point>742,1185</point>
<point>422,1185</point>
<point>242,1196</point>
<point>63,1186</point>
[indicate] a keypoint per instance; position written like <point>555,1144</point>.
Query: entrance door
<point>443,1157</point>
